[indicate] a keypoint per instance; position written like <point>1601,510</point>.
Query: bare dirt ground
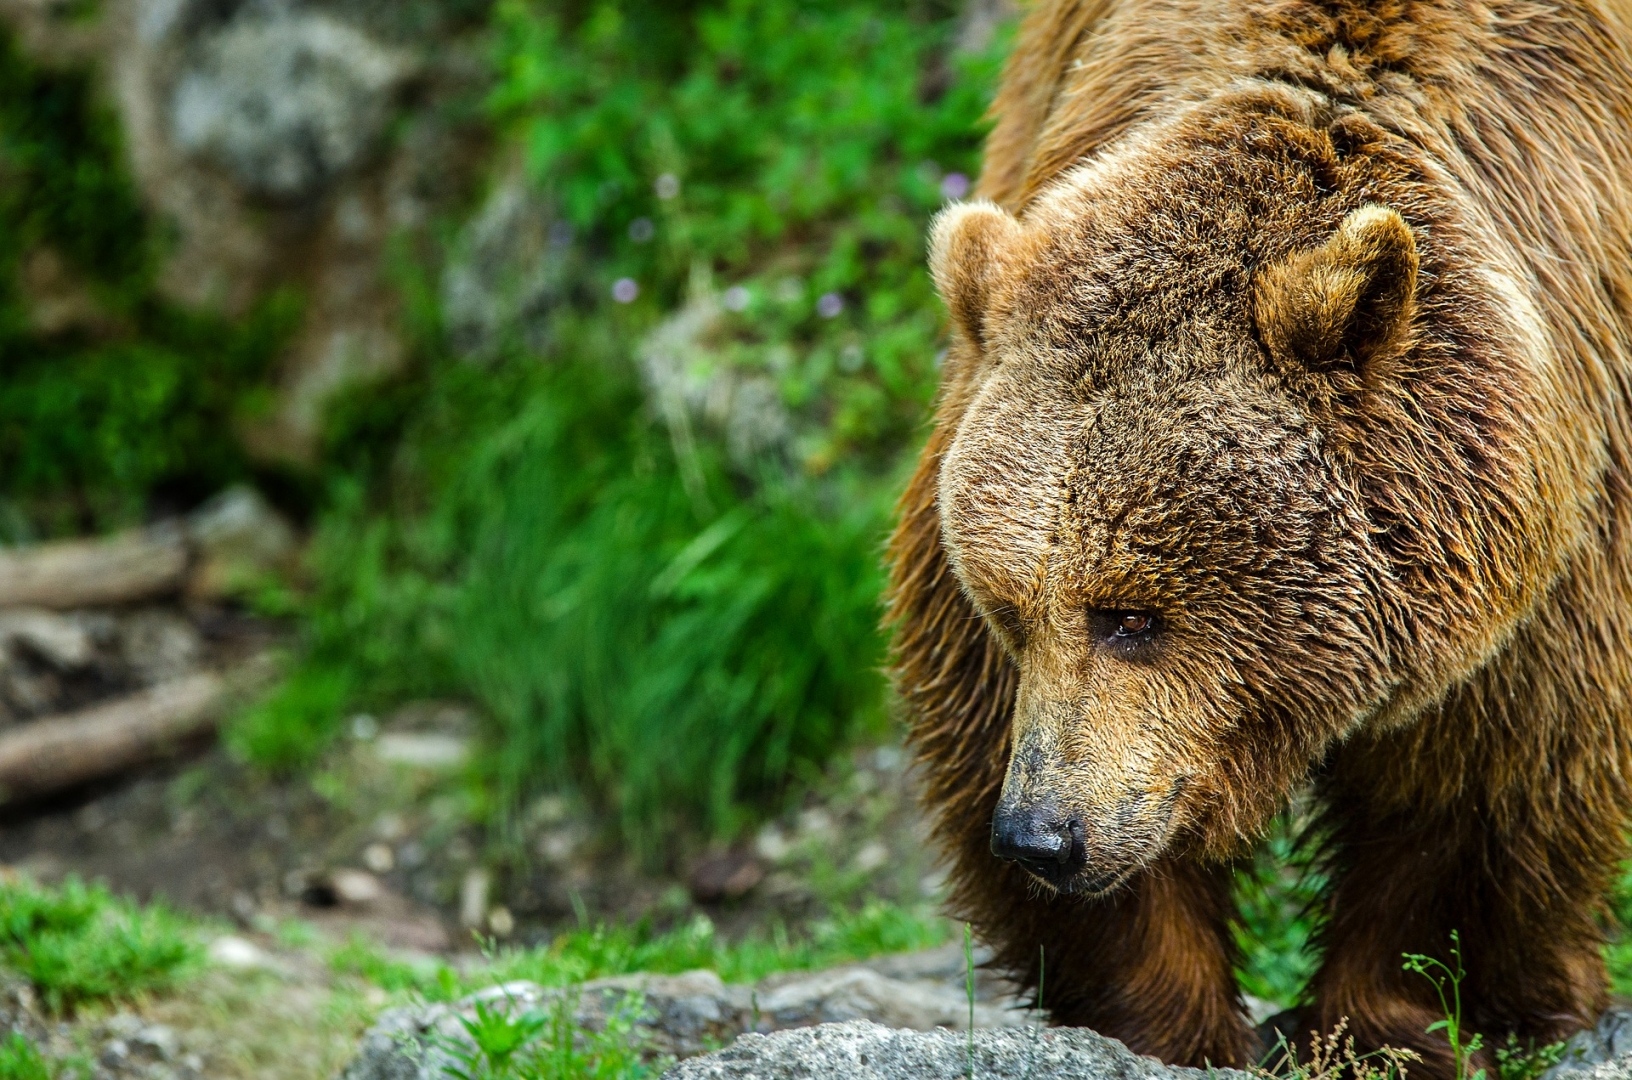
<point>382,838</point>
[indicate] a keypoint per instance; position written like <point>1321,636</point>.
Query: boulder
<point>863,1050</point>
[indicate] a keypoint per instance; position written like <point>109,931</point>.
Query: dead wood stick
<point>59,752</point>
<point>130,566</point>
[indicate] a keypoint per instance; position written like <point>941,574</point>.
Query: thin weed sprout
<point>969,989</point>
<point>1041,972</point>
<point>1439,973</point>
<point>1513,1062</point>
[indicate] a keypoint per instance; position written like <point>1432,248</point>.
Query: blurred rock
<point>1603,1052</point>
<point>727,875</point>
<point>287,103</point>
<point>700,387</point>
<point>379,858</point>
<point>60,640</point>
<point>240,953</point>
<point>236,537</point>
<point>861,1050</point>
<point>422,749</point>
<point>159,644</point>
<point>473,894</point>
<point>507,269</point>
<point>136,1048</point>
<point>358,888</point>
<point>981,21</point>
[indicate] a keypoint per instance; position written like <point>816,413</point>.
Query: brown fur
<point>1303,325</point>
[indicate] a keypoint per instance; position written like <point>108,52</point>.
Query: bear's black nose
<point>1039,839</point>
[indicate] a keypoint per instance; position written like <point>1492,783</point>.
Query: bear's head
<point>1236,464</point>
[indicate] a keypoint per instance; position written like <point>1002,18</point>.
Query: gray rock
<point>699,387</point>
<point>60,640</point>
<point>237,538</point>
<point>858,993</point>
<point>287,102</point>
<point>241,526</point>
<point>159,644</point>
<point>862,1050</point>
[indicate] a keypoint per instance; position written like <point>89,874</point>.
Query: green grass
<point>605,950</point>
<point>78,944</point>
<point>22,1060</point>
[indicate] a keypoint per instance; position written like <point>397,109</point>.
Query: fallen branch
<point>87,573</point>
<point>60,752</point>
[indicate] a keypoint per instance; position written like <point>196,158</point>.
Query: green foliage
<point>79,944</point>
<point>1526,1061</point>
<point>677,632</point>
<point>130,396</point>
<point>805,145</point>
<point>606,950</point>
<point>1618,953</point>
<point>505,1042</point>
<point>1277,896</point>
<point>969,992</point>
<point>22,1060</point>
<point>286,729</point>
<point>618,950</point>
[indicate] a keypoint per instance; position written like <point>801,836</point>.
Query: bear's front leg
<point>1522,889</point>
<point>1151,965</point>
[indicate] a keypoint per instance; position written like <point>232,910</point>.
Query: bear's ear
<point>971,250</point>
<point>1345,301</point>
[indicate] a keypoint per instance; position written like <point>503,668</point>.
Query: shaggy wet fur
<point>1300,327</point>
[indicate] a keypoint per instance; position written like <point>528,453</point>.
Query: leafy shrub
<point>79,944</point>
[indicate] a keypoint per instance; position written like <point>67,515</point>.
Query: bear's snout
<point>1041,839</point>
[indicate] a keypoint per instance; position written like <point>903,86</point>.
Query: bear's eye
<point>1132,623</point>
<point>1128,632</point>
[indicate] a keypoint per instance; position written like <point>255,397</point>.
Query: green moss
<point>130,397</point>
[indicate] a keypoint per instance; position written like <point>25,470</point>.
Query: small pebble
<point>379,858</point>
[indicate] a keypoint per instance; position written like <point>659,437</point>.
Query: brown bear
<point>1284,440</point>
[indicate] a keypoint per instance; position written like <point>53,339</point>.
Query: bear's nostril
<point>1039,840</point>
